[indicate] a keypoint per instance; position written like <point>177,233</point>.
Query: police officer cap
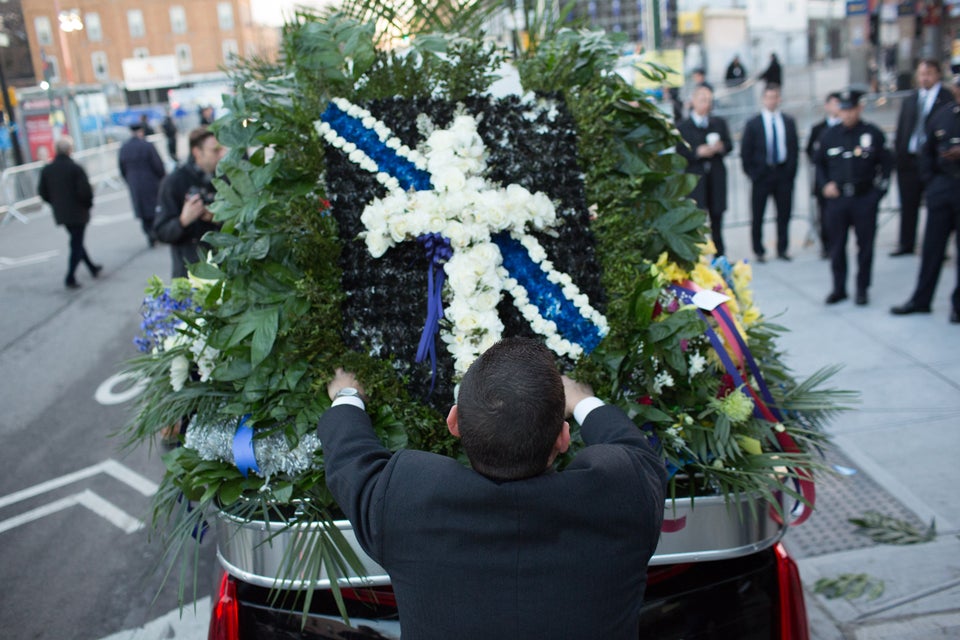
<point>850,98</point>
<point>833,95</point>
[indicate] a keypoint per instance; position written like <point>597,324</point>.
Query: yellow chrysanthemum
<point>707,248</point>
<point>706,276</point>
<point>670,271</point>
<point>751,316</point>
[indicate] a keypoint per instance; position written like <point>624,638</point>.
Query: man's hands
<point>831,190</point>
<point>341,380</point>
<point>193,210</point>
<point>574,392</point>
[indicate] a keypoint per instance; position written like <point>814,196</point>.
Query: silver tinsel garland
<point>214,441</point>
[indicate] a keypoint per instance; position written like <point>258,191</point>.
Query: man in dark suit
<point>940,168</point>
<point>914,111</point>
<point>831,109</point>
<point>707,139</point>
<point>769,151</point>
<point>65,186</point>
<point>504,549</point>
<point>142,170</point>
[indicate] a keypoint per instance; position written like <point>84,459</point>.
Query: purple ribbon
<point>438,252</point>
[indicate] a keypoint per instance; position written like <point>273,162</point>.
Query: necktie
<point>773,156</point>
<point>917,139</point>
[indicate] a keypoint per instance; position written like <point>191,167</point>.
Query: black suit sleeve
<point>747,154</point>
<point>609,425</point>
<point>84,191</point>
<point>793,145</point>
<point>355,462</point>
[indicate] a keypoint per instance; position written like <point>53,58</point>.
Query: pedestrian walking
<point>707,139</point>
<point>853,172</point>
<point>914,111</point>
<point>769,151</point>
<point>773,74</point>
<point>736,72</point>
<point>831,110</point>
<point>142,170</point>
<point>170,130</point>
<point>939,161</point>
<point>65,187</point>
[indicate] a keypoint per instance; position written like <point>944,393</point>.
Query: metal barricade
<point>18,185</point>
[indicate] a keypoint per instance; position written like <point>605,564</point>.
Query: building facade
<point>85,42</point>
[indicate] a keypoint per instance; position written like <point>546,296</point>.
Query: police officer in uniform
<point>939,160</point>
<point>853,171</point>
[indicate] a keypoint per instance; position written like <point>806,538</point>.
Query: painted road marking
<point>110,467</point>
<point>23,261</point>
<point>105,393</point>
<point>106,510</point>
<point>86,498</point>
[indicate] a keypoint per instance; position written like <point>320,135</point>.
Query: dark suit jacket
<point>560,555</point>
<point>907,120</point>
<point>712,169</point>
<point>753,148</point>
<point>64,185</point>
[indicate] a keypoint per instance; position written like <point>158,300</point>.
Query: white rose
<point>179,372</point>
<point>448,178</point>
<point>487,299</point>
<point>377,244</point>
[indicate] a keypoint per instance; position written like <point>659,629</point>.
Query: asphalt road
<point>75,558</point>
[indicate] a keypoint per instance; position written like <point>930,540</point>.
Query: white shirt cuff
<point>584,407</point>
<point>354,400</point>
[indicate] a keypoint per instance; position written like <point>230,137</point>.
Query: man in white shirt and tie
<point>769,151</point>
<point>914,111</point>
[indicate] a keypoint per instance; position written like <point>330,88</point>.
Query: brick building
<point>203,35</point>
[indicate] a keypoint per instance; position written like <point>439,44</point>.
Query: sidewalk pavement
<point>904,434</point>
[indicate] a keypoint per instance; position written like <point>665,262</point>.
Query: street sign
<point>857,7</point>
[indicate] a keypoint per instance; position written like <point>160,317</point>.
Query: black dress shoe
<point>955,316</point>
<point>836,297</point>
<point>861,298</point>
<point>761,259</point>
<point>96,269</point>
<point>71,284</point>
<point>901,252</point>
<point>784,257</point>
<point>909,307</point>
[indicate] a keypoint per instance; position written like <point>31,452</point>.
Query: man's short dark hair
<point>198,136</point>
<point>933,63</point>
<point>510,409</point>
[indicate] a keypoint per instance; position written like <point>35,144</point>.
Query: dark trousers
<point>859,212</point>
<point>779,185</point>
<point>911,191</point>
<point>822,224</point>
<point>716,230</point>
<point>943,218</point>
<point>77,253</point>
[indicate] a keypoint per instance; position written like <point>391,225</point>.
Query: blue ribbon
<point>352,130</point>
<point>438,251</point>
<point>547,296</point>
<point>243,455</point>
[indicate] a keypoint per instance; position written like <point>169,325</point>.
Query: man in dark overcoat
<point>142,169</point>
<point>65,187</point>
